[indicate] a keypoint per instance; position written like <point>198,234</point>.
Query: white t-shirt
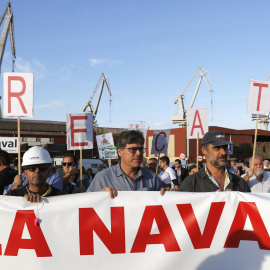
<point>257,186</point>
<point>167,176</point>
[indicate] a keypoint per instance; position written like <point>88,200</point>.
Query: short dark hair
<point>191,168</point>
<point>154,159</point>
<point>4,158</point>
<point>246,163</point>
<point>72,156</point>
<point>178,160</point>
<point>129,137</point>
<point>165,159</point>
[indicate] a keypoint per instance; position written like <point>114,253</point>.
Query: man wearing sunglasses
<point>36,164</point>
<point>127,175</point>
<point>70,175</point>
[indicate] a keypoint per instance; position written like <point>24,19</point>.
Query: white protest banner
<point>104,140</point>
<point>79,131</point>
<point>18,94</point>
<point>9,144</point>
<point>160,141</point>
<point>259,97</point>
<point>197,121</point>
<point>137,230</point>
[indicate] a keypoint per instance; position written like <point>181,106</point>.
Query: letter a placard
<point>197,121</point>
<point>259,97</point>
<point>79,131</point>
<point>18,94</point>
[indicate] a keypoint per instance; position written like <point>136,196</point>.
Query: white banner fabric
<point>259,97</point>
<point>136,230</point>
<point>79,131</point>
<point>160,141</point>
<point>18,94</point>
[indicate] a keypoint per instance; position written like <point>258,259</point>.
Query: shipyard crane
<point>103,80</point>
<point>8,27</point>
<point>181,117</point>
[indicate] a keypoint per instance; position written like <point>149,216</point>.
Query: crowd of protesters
<point>219,173</point>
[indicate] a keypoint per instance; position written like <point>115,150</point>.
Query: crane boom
<point>181,117</point>
<point>8,26</point>
<point>103,80</point>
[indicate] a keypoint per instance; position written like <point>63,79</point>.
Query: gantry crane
<point>181,117</point>
<point>8,27</point>
<point>103,80</point>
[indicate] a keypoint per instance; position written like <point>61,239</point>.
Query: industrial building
<point>52,136</point>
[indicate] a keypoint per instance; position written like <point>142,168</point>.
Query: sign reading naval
<point>18,94</point>
<point>79,131</point>
<point>9,144</point>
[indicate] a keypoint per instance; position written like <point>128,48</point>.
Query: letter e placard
<point>259,97</point>
<point>18,94</point>
<point>79,131</point>
<point>197,121</point>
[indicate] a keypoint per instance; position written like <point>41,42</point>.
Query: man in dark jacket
<point>6,173</point>
<point>180,172</point>
<point>214,176</point>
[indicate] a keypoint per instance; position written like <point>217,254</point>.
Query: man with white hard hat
<point>36,167</point>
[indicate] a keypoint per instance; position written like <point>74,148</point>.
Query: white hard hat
<point>36,155</point>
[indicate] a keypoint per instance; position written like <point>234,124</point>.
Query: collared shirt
<point>73,185</point>
<point>232,170</point>
<point>179,178</point>
<point>227,179</point>
<point>114,177</point>
<point>257,186</point>
<point>167,176</point>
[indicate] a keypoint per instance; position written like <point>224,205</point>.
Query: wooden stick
<point>110,163</point>
<point>81,167</point>
<point>158,162</point>
<point>19,145</point>
<point>197,151</point>
<point>255,140</point>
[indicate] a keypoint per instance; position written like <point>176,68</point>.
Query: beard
<point>217,163</point>
<point>259,172</point>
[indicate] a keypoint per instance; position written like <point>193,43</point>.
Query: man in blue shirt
<point>127,175</point>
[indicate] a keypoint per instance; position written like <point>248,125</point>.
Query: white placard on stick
<point>79,131</point>
<point>197,121</point>
<point>160,141</point>
<point>259,97</point>
<point>18,94</point>
<point>103,141</point>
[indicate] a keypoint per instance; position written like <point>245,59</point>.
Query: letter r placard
<point>79,131</point>
<point>18,94</point>
<point>197,121</point>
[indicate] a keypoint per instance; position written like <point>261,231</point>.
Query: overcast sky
<point>148,49</point>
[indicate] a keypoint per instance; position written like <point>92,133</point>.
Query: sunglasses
<point>41,168</point>
<point>64,164</point>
